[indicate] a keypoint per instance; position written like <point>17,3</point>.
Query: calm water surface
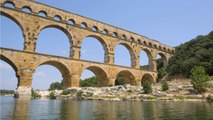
<point>15,109</point>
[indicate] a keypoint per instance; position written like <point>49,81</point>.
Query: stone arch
<point>65,31</point>
<point>9,3</point>
<point>18,23</point>
<point>131,52</point>
<point>148,77</point>
<point>57,18</point>
<point>26,9</point>
<point>162,61</point>
<point>13,19</point>
<point>101,75</point>
<point>65,72</point>
<point>150,57</point>
<point>105,31</point>
<point>10,62</point>
<point>103,43</point>
<point>127,77</point>
<point>14,67</point>
<point>42,13</point>
<point>95,29</point>
<point>83,25</point>
<point>71,22</point>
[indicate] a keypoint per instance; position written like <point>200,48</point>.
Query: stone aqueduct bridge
<point>76,27</point>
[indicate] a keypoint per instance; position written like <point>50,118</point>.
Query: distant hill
<point>197,52</point>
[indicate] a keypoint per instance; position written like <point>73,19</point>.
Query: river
<point>35,109</point>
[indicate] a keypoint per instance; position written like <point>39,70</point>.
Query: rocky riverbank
<point>178,91</point>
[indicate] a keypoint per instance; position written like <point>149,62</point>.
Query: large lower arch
<point>147,77</point>
<point>63,69</point>
<point>101,75</point>
<point>12,32</point>
<point>10,62</point>
<point>127,77</point>
<point>4,69</point>
<point>102,57</point>
<point>131,53</point>
<point>62,46</point>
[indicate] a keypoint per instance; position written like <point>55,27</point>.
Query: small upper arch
<point>132,39</point>
<point>105,31</point>
<point>57,18</point>
<point>114,34</point>
<point>71,21</point>
<point>42,13</point>
<point>123,37</point>
<point>83,25</point>
<point>26,9</point>
<point>9,4</point>
<point>95,29</point>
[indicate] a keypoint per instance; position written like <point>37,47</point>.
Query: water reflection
<point>20,111</point>
<point>102,110</point>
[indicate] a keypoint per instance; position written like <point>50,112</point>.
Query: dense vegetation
<point>197,52</point>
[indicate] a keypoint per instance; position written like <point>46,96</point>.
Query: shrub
<point>209,98</point>
<point>147,86</point>
<point>35,94</point>
<point>65,92</point>
<point>79,93</point>
<point>165,86</point>
<point>199,79</point>
<point>52,95</point>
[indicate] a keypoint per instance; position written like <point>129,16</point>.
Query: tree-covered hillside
<point>197,52</point>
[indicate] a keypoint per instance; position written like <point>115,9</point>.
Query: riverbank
<point>179,90</point>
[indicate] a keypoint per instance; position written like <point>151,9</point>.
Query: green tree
<point>56,86</point>
<point>89,82</point>
<point>199,79</point>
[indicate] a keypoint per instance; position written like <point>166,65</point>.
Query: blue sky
<point>171,22</point>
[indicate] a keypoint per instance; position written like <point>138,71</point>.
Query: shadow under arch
<point>103,43</point>
<point>131,52</point>
<point>63,30</point>
<point>101,75</point>
<point>147,77</point>
<point>65,72</point>
<point>127,77</point>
